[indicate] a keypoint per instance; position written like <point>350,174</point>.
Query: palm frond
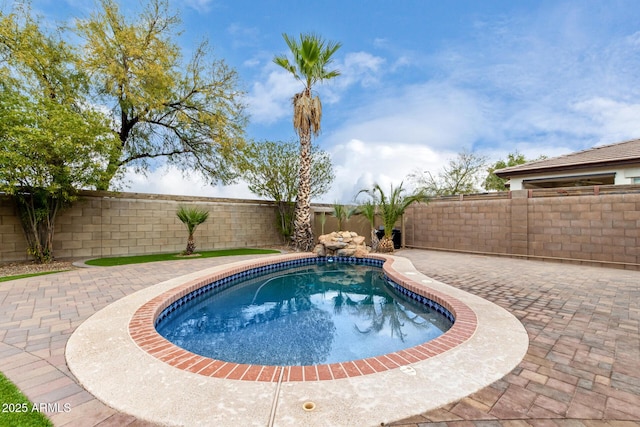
<point>369,210</point>
<point>192,217</point>
<point>283,61</point>
<point>311,57</point>
<point>392,206</point>
<point>343,213</point>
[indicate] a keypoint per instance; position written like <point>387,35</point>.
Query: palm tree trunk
<point>386,245</point>
<point>374,240</point>
<point>191,245</point>
<point>303,239</point>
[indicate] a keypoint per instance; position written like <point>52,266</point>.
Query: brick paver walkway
<point>37,316</point>
<point>582,367</point>
<point>583,363</point>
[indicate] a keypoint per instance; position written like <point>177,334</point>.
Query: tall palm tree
<point>311,57</point>
<point>391,208</point>
<point>191,218</point>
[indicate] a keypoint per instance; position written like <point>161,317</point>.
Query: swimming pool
<point>320,311</point>
<point>119,357</point>
<point>143,332</point>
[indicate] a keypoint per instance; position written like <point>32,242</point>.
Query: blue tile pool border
<point>143,332</point>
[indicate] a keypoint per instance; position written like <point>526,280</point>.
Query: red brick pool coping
<point>144,334</point>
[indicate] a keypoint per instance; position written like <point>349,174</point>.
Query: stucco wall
<point>622,176</point>
<point>110,224</point>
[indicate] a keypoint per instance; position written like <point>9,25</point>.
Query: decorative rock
<point>358,240</point>
<point>320,250</point>
<point>334,245</point>
<point>361,252</point>
<point>346,252</point>
<point>341,243</point>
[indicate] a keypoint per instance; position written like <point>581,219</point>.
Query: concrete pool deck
<point>581,366</point>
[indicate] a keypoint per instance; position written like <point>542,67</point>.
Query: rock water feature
<point>341,243</point>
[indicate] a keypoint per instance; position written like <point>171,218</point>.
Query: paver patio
<point>582,367</point>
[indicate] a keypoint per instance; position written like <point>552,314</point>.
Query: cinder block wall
<point>599,225</point>
<point>477,225</point>
<point>598,228</point>
<point>13,245</point>
<point>113,224</point>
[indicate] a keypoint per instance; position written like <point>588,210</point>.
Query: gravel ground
<point>28,267</point>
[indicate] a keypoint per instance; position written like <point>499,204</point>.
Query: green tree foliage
<point>190,113</point>
<point>51,141</point>
<point>271,170</point>
<point>191,217</point>
<point>493,181</point>
<point>311,57</point>
<point>391,207</point>
<point>460,176</point>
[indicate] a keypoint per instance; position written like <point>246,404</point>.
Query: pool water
<point>307,315</point>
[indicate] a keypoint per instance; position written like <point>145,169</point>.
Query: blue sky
<point>422,80</point>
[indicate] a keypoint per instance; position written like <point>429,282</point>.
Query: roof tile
<point>619,152</point>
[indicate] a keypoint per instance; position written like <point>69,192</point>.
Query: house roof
<point>619,154</point>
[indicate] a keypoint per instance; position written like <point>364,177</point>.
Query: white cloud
<point>170,180</point>
<point>552,81</point>
<point>612,120</point>
<point>270,101</point>
<point>251,62</point>
<point>360,68</point>
<point>202,6</point>
<point>417,127</point>
<point>243,36</point>
<point>634,39</point>
<point>381,42</point>
<point>431,114</point>
<point>359,165</point>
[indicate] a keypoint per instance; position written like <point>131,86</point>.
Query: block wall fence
<point>104,224</point>
<point>596,225</point>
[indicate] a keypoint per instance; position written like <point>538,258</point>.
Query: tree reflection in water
<point>302,316</point>
<point>380,305</point>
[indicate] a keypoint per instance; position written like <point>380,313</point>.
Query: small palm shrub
<point>323,221</point>
<point>369,210</point>
<point>342,213</point>
<point>191,218</point>
<point>390,208</point>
